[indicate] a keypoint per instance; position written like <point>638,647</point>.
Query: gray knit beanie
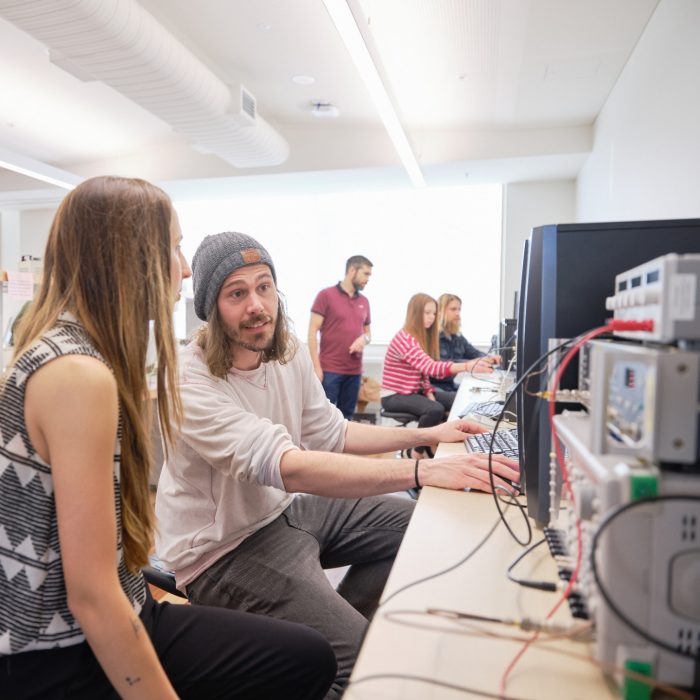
<point>216,258</point>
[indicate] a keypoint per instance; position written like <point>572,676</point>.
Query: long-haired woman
<point>76,617</point>
<point>411,360</point>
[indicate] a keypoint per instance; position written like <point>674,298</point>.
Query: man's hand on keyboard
<point>468,471</point>
<point>452,431</point>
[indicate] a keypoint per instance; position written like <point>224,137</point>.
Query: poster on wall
<point>20,285</point>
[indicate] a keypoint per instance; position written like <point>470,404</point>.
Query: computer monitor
<point>527,352</point>
<point>568,271</point>
<point>506,341</point>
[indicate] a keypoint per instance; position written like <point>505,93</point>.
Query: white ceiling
<point>487,90</point>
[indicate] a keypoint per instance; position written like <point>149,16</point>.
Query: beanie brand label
<point>250,256</point>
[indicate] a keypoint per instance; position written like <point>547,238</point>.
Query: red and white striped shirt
<point>407,367</point>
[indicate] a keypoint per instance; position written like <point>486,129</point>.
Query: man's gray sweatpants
<point>278,571</point>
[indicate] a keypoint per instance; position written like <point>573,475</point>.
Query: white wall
<point>526,205</point>
<point>35,230</point>
<point>11,223</point>
<point>10,234</point>
<point>645,162</point>
<point>23,233</point>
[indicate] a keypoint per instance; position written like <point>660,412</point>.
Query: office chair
<point>402,418</point>
<point>158,576</point>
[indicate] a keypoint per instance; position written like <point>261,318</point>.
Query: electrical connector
<point>618,324</point>
<point>528,624</point>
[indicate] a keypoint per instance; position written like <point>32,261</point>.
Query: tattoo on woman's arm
<point>133,681</point>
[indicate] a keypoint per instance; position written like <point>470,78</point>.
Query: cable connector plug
<point>557,628</point>
<point>618,324</point>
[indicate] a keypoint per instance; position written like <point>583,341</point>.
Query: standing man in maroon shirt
<point>341,314</point>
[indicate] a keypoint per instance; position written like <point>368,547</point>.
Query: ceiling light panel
<point>354,41</point>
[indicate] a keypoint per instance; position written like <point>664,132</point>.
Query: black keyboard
<point>487,409</point>
<point>505,443</point>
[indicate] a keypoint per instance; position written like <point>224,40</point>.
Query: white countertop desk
<point>446,525</point>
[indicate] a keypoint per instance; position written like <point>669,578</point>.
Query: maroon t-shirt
<point>344,319</point>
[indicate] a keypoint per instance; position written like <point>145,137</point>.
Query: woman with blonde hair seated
<point>411,361</point>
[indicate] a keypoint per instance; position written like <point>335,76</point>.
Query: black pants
<point>278,570</point>
<point>427,412</point>
<point>206,653</point>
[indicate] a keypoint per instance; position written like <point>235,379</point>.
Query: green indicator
<point>633,689</point>
<point>643,486</point>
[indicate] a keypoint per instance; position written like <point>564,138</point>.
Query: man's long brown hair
<point>426,337</point>
<point>107,261</point>
<point>216,347</point>
<point>453,327</point>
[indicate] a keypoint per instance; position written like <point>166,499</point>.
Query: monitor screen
<point>507,330</point>
<point>568,271</point>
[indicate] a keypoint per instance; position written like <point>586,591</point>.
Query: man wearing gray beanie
<point>262,489</point>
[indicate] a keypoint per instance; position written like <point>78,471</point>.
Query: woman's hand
<point>480,365</point>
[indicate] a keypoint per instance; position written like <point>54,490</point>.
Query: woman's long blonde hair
<point>426,337</point>
<point>107,261</point>
<point>443,302</point>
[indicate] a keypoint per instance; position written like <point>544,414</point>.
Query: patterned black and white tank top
<point>34,612</point>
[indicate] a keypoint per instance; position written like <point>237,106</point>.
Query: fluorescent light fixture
<point>351,35</point>
<point>23,165</point>
<point>303,80</point>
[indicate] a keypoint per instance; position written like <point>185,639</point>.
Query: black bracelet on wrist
<point>418,486</point>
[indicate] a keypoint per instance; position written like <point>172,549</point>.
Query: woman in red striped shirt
<point>411,359</point>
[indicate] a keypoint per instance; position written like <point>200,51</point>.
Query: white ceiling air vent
<point>122,45</point>
<point>249,106</point>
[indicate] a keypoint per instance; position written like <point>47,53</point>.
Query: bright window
<point>433,240</point>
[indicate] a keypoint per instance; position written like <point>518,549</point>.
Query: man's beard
<point>452,327</point>
<point>359,286</point>
<point>261,341</point>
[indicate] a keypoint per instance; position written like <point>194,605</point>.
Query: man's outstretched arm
<point>349,476</point>
<point>364,439</point>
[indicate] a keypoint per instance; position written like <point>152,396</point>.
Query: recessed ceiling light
<point>23,165</point>
<point>303,80</point>
<point>263,27</point>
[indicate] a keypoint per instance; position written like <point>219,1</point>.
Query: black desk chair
<point>158,576</point>
<point>402,418</point>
